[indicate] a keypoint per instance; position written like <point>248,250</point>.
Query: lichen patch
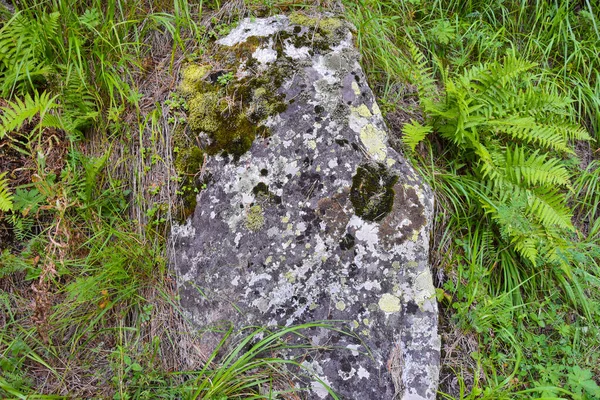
<point>374,140</point>
<point>255,218</point>
<point>389,303</point>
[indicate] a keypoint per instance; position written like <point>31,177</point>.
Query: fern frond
<point>423,76</point>
<point>23,46</point>
<point>528,130</point>
<point>21,110</point>
<point>413,133</point>
<point>568,130</point>
<point>527,247</point>
<point>548,207</point>
<point>489,77</point>
<point>534,169</point>
<point>538,103</point>
<point>6,198</point>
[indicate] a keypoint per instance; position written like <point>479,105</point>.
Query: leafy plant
<point>20,111</point>
<point>224,79</point>
<point>510,135</point>
<point>24,44</point>
<point>6,198</point>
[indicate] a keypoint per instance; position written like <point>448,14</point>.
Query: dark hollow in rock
<point>372,192</point>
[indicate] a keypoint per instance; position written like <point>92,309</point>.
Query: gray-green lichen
<point>255,218</point>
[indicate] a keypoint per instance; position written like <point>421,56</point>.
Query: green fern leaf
<point>548,207</point>
<point>23,110</point>
<point>6,198</point>
<point>27,201</point>
<point>528,130</point>
<point>23,51</point>
<point>535,169</point>
<point>414,133</point>
<point>423,75</point>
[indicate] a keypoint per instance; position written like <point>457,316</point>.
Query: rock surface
<point>318,220</point>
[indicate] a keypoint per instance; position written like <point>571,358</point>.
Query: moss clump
<point>255,218</point>
<point>263,104</point>
<point>204,111</point>
<point>188,161</point>
<point>224,119</point>
<point>233,126</point>
<point>372,193</point>
<point>323,33</point>
<point>192,78</point>
<point>261,189</point>
<point>241,51</point>
<point>328,25</point>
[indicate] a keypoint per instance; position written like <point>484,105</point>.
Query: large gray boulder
<point>312,217</point>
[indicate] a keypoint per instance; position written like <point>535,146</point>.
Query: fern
<point>414,133</point>
<point>6,198</point>
<point>26,205</point>
<point>422,74</point>
<point>512,135</point>
<point>23,110</point>
<point>535,169</point>
<point>24,42</point>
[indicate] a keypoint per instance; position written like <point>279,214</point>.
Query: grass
<point>88,189</point>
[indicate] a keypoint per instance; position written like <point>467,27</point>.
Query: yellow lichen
<point>361,110</point>
<point>355,88</point>
<point>340,305</point>
<point>374,141</point>
<point>376,109</point>
<point>290,277</point>
<point>255,218</point>
<point>424,286</point>
<point>389,303</point>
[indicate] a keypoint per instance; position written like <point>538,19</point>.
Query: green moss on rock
<point>328,25</point>
<point>233,116</point>
<point>192,78</point>
<point>204,110</point>
<point>372,193</point>
<point>224,119</point>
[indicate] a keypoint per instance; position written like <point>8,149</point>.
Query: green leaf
<point>6,198</point>
<point>580,378</point>
<point>136,367</point>
<point>414,133</point>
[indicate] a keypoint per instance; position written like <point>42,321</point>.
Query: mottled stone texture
<point>319,220</point>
